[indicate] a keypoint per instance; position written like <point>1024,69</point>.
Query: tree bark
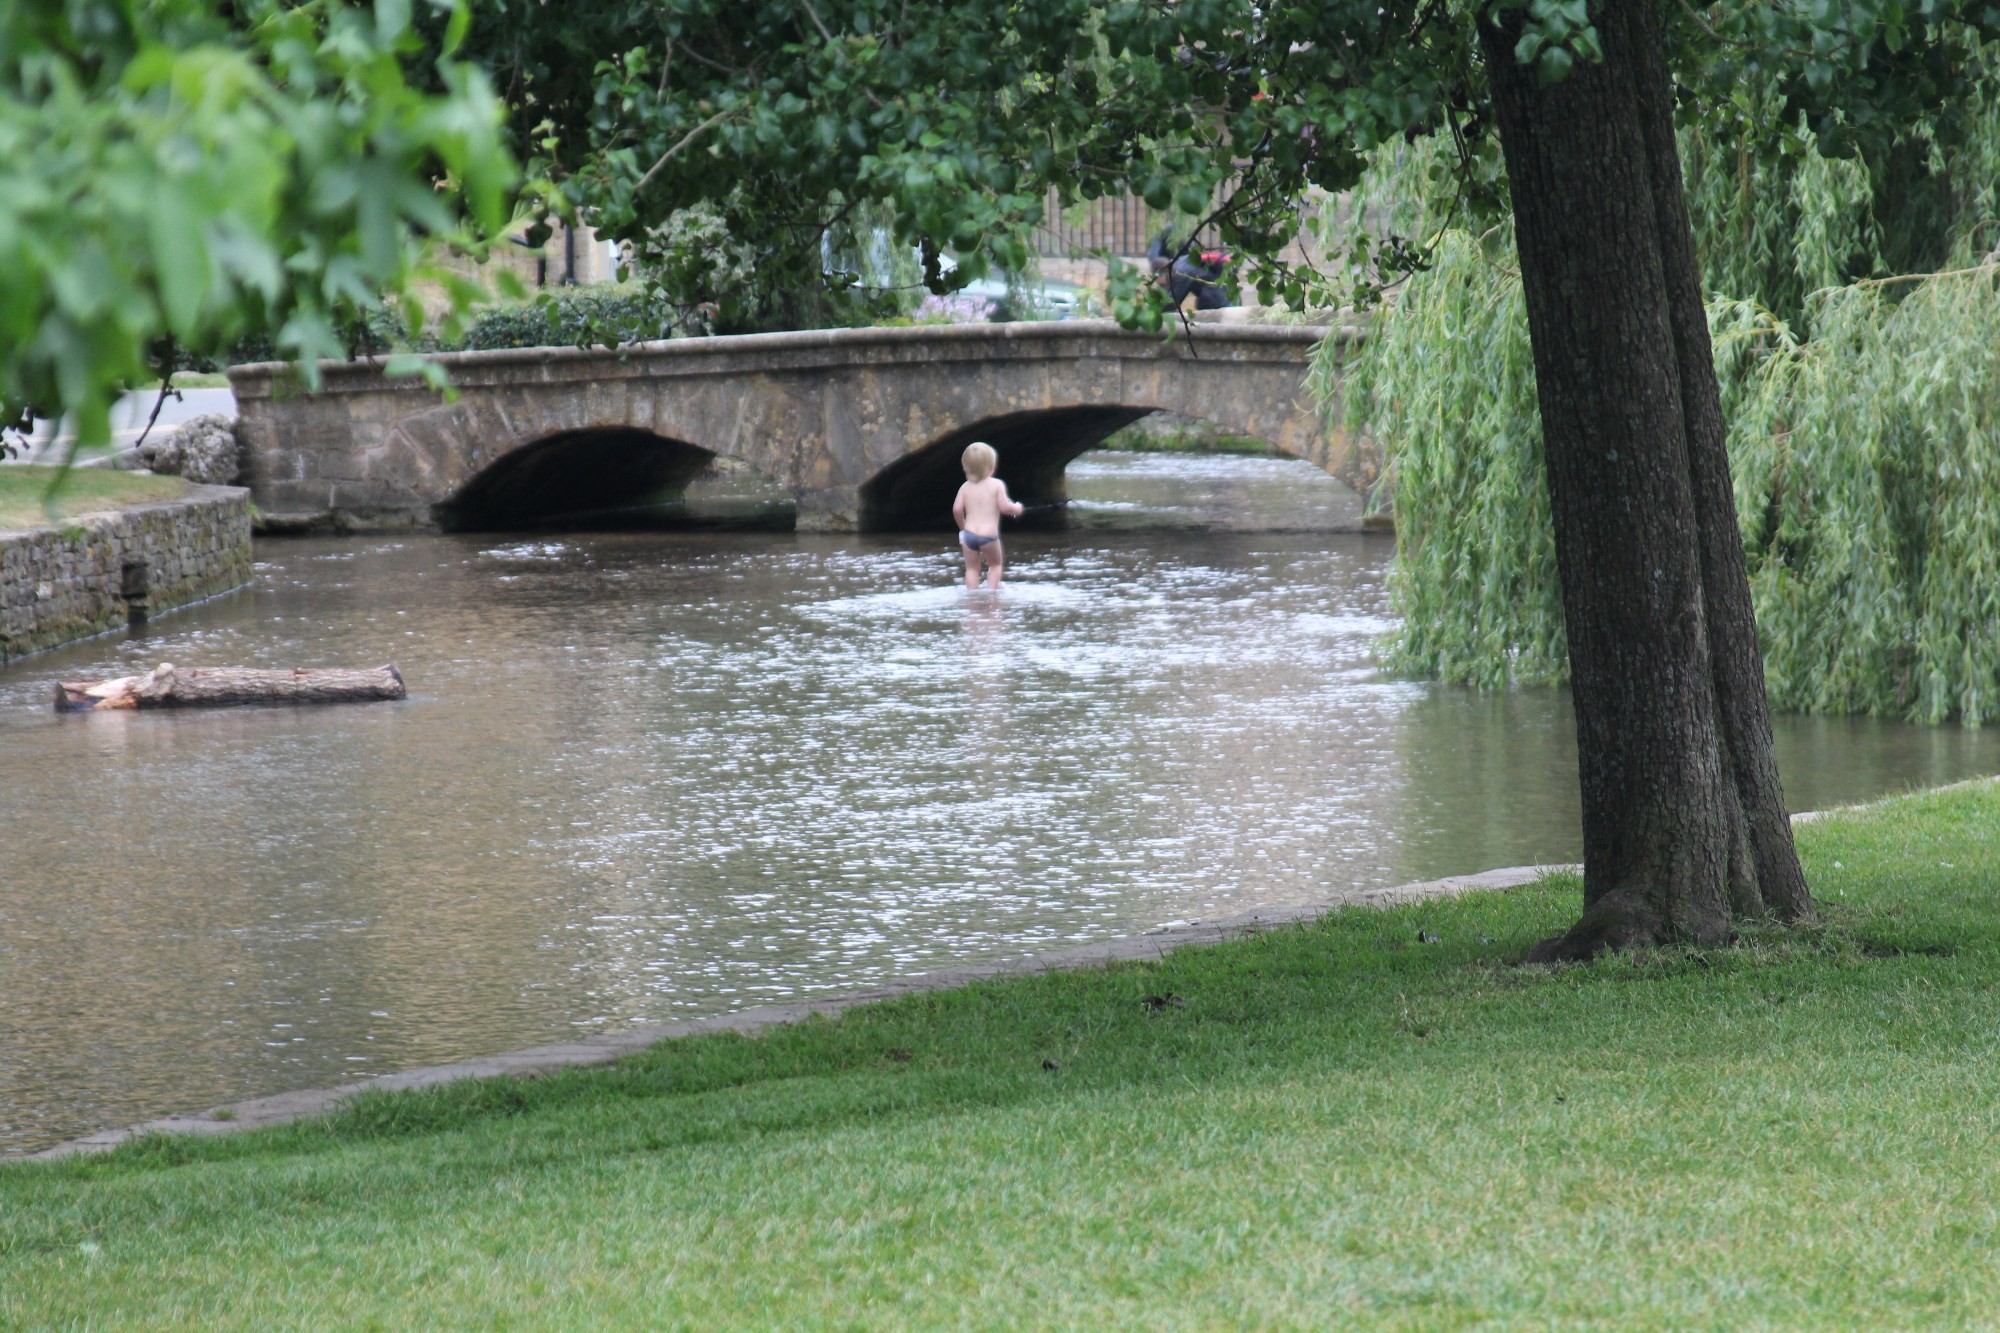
<point>169,687</point>
<point>1683,821</point>
<point>1775,882</point>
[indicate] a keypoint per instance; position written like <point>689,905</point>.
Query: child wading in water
<point>977,510</point>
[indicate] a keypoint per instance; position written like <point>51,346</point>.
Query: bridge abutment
<point>830,509</point>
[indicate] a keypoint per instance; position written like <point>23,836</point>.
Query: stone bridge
<point>862,428</point>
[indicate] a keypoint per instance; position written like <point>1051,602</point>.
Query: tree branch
<point>1989,268</point>
<point>733,71</point>
<point>676,150</point>
<point>166,387</point>
<point>1846,38</point>
<point>813,14</point>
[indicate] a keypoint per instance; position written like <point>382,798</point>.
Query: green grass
<point>1340,1125</point>
<point>26,502</point>
<point>189,379</point>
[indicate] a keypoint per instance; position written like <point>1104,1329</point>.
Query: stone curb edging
<point>287,1107</point>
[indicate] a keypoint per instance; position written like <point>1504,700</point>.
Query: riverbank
<point>1372,1117</point>
<point>118,549</point>
<point>25,501</point>
<point>287,1108</point>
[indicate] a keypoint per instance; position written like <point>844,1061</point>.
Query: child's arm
<point>958,508</point>
<point>1008,506</point>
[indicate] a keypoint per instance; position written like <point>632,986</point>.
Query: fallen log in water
<point>167,686</point>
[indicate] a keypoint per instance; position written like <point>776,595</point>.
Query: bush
<point>571,317</point>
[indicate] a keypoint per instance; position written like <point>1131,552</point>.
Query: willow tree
<point>963,116</point>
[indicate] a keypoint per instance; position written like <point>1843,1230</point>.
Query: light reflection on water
<point>643,776</point>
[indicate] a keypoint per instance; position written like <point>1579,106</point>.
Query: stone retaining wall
<point>101,571</point>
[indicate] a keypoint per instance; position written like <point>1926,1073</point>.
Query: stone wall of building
<point>101,571</point>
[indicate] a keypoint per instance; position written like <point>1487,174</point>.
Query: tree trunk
<point>168,687</point>
<point>1775,882</point>
<point>1683,821</point>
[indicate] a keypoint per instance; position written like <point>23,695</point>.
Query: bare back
<point>980,504</point>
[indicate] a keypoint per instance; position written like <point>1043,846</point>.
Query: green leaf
<point>180,259</point>
<point>404,365</point>
<point>392,20</point>
<point>456,28</point>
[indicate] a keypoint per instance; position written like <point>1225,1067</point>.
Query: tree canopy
<point>196,171</point>
<point>185,173</point>
<point>1856,388</point>
<point>777,121</point>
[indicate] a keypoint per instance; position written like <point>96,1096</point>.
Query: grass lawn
<point>25,501</point>
<point>1333,1125</point>
<point>189,379</point>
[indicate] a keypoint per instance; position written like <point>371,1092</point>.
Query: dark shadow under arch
<point>613,478</point>
<point>914,493</point>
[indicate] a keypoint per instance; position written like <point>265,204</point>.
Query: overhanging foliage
<point>1865,484</point>
<point>189,171</point>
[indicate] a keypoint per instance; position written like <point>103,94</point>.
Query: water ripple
<point>646,776</point>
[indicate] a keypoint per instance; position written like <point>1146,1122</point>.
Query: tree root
<point>1619,920</point>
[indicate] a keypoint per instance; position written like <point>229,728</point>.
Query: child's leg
<point>971,565</point>
<point>994,562</point>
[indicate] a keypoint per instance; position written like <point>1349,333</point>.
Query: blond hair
<point>979,460</point>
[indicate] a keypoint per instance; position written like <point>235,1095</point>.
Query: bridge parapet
<point>861,426</point>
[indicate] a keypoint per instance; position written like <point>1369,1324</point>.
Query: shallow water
<point>651,775</point>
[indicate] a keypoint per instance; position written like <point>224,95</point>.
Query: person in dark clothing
<point>1199,272</point>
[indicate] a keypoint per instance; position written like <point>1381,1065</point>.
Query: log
<point>167,686</point>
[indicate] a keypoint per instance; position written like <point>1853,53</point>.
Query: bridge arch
<point>915,492</point>
<point>597,477</point>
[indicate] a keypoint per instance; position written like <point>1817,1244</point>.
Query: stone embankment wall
<point>103,571</point>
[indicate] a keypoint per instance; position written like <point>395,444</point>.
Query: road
<point>128,420</point>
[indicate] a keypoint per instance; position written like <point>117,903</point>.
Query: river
<point>649,775</point>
